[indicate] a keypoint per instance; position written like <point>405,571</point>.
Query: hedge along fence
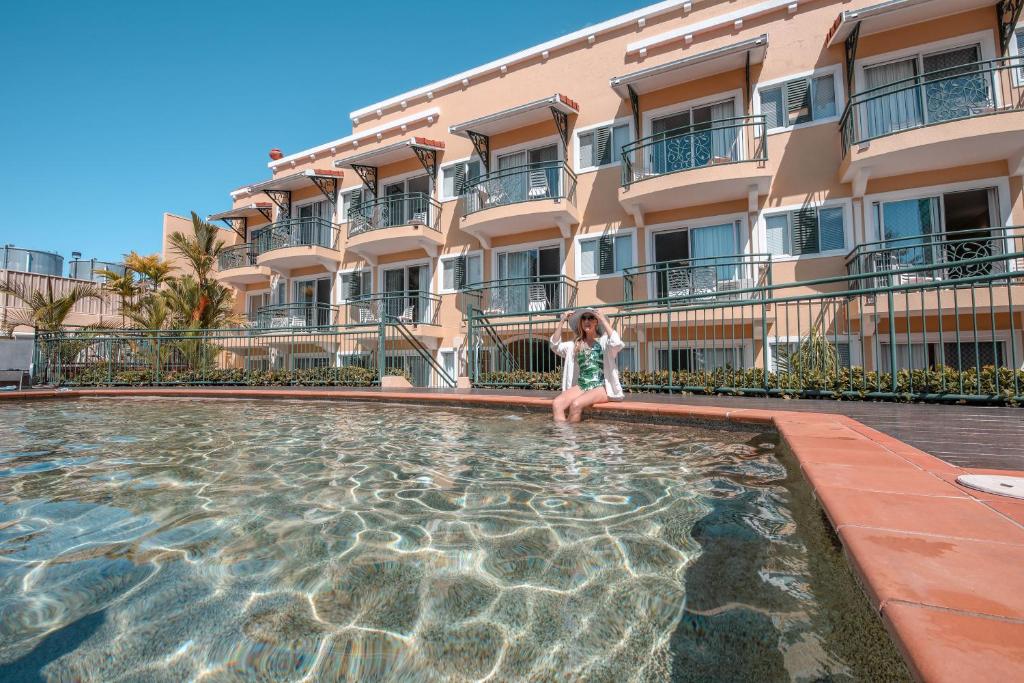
<point>988,385</point>
<point>102,375</point>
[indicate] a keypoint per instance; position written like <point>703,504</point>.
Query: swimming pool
<point>170,539</point>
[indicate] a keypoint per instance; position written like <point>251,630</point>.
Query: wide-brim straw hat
<point>574,319</point>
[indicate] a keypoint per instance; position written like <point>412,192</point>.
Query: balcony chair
<point>678,282</point>
<point>408,315</point>
<point>538,298</point>
<point>539,187</point>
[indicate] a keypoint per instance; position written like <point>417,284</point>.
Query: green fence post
<point>380,351</point>
<point>892,336</point>
<point>471,349</point>
<point>671,359</point>
<point>156,360</point>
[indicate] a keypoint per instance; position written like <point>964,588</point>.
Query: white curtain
<point>715,241</point>
<point>518,268</point>
<point>723,135</point>
<point>894,108</point>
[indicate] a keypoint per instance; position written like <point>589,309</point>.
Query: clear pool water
<point>174,539</point>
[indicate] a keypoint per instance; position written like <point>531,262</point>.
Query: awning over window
<point>389,154</point>
<point>886,16</point>
<point>247,211</point>
<point>692,68</point>
<point>297,181</point>
<point>516,117</point>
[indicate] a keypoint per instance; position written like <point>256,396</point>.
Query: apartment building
<point>719,149</point>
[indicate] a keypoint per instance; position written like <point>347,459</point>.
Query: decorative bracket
<point>267,213</point>
<point>851,54</point>
<point>482,145</point>
<point>283,199</point>
<point>1007,14</point>
<point>427,157</point>
<point>368,174</point>
<point>238,225</point>
<point>562,124</point>
<point>328,186</point>
<point>634,102</point>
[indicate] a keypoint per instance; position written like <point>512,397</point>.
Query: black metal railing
<point>415,208</point>
<point>296,232</point>
<point>961,92</point>
<point>715,143</point>
<point>672,280</point>
<point>410,308</point>
<point>237,256</point>
<point>295,315</point>
<point>519,295</point>
<point>532,182</point>
<point>951,256</point>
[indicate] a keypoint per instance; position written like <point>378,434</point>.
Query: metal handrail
<point>526,183</point>
<point>724,141</point>
<point>520,294</point>
<point>941,258</point>
<point>414,307</point>
<point>237,256</point>
<point>684,277</point>
<point>952,94</point>
<point>310,231</point>
<point>309,314</point>
<point>414,208</point>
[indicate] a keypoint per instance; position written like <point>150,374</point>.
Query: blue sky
<point>113,112</point>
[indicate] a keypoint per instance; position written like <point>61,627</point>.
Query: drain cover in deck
<point>992,483</point>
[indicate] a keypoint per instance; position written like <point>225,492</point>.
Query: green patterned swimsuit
<point>591,367</point>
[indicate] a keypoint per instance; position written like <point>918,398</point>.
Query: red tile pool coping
<point>943,565</point>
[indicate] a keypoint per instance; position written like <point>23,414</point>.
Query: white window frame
<point>526,246</point>
<point>647,122</point>
<point>428,262</point>
<point>577,248</point>
<point>1002,185</point>
<point>452,350</point>
<point>1011,343</point>
<point>451,257</point>
<point>255,292</point>
<point>342,292</point>
<point>404,178</point>
<point>441,196</point>
<point>848,237</point>
<point>298,203</point>
<point>342,219</point>
<point>578,166</point>
<point>836,70</point>
<point>744,346</point>
<point>1014,51</point>
<point>536,143</point>
<point>292,357</point>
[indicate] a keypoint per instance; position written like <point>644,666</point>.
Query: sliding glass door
<point>312,299</point>
<point>695,137</point>
<point>406,292</point>
<point>523,270</point>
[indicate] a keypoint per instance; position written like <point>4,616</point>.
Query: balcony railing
<point>295,315</point>
<point>952,256</point>
<point>961,92</point>
<point>715,143</point>
<point>296,232</point>
<point>237,256</point>
<point>532,182</point>
<point>716,277</point>
<point>415,208</point>
<point>410,308</point>
<point>519,295</point>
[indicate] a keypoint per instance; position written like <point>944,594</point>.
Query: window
<point>349,201</point>
<point>455,178</point>
<point>602,146</point>
<point>627,359</point>
<point>699,359</point>
<point>805,231</point>
<point>606,254</point>
<point>254,302</point>
<point>798,101</point>
<point>968,354</point>
<point>310,362</point>
<point>460,271</point>
<point>356,285</point>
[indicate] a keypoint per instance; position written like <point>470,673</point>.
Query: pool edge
<point>938,562</point>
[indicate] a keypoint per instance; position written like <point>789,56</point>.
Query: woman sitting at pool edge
<point>590,374</point>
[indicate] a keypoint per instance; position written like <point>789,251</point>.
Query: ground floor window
<point>309,362</point>
<point>964,356</point>
<point>699,359</point>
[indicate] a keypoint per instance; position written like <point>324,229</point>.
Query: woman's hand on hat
<point>565,316</point>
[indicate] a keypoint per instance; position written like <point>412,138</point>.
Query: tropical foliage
<point>43,311</point>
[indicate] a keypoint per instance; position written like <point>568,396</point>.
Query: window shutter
<point>354,285</point>
<point>805,231</point>
<point>771,107</point>
<point>460,179</point>
<point>460,272</point>
<point>830,227</point>
<point>603,136</point>
<point>606,254</point>
<point>798,101</point>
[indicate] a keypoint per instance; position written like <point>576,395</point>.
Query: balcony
<point>294,316</point>
<point>735,277</point>
<point>514,296</point>
<point>412,308</point>
<point>520,199</point>
<point>931,258</point>
<point>703,163</point>
<point>298,243</point>
<point>394,224</point>
<point>918,124</point>
<point>236,265</point>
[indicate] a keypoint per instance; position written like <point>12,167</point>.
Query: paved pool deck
<point>941,564</point>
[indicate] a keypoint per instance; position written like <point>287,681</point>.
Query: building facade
<point>765,167</point>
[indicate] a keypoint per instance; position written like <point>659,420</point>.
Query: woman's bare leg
<point>585,400</point>
<point>563,401</point>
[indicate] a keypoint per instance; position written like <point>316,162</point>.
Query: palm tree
<point>209,301</point>
<point>124,286</point>
<point>152,268</point>
<point>43,311</point>
<point>192,305</point>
